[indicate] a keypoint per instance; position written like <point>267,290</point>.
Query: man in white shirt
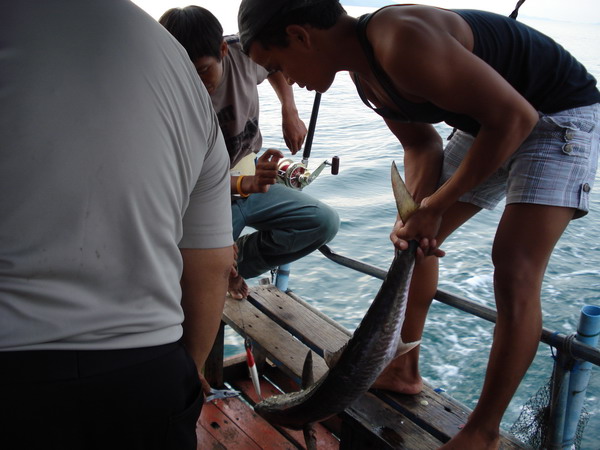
<point>115,226</point>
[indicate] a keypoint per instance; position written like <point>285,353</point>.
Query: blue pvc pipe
<point>588,332</point>
<point>558,401</point>
<point>282,277</point>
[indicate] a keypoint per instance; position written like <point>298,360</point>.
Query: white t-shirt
<point>110,158</point>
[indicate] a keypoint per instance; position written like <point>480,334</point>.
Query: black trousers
<point>147,398</point>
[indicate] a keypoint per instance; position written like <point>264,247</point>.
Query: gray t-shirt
<point>110,158</point>
<point>236,102</point>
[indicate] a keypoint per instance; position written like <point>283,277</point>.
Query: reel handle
<point>335,165</point>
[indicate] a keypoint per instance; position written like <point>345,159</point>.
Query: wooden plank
<point>439,414</point>
<point>436,412</point>
<point>370,413</point>
<point>281,348</point>
<point>254,426</point>
<point>220,427</point>
<point>206,440</point>
<point>309,326</point>
<point>442,413</point>
<point>284,348</point>
<point>388,428</point>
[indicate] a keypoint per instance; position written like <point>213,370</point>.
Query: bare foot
<point>392,379</point>
<point>476,440</point>
<point>238,289</point>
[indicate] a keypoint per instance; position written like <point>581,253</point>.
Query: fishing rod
<point>296,174</point>
<point>311,128</point>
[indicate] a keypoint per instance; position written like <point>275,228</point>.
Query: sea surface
<point>455,345</point>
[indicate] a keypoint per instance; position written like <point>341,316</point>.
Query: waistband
<point>54,365</point>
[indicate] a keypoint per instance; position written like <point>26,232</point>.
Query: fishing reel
<point>296,174</point>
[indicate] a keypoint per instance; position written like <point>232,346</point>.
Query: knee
<point>327,222</point>
<point>517,288</point>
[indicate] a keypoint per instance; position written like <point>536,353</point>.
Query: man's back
<point>105,131</point>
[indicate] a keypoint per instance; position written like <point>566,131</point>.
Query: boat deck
<point>232,423</point>
<point>283,328</point>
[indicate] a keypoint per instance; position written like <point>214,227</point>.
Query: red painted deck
<point>233,424</point>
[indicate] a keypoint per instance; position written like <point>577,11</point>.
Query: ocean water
<point>362,195</point>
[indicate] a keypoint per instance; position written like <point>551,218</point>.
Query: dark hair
<point>197,29</point>
<point>321,15</point>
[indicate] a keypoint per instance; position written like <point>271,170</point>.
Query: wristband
<point>239,187</point>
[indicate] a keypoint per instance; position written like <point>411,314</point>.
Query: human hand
<point>205,386</point>
<point>233,273</point>
<point>266,172</point>
<point>294,132</point>
<point>423,226</point>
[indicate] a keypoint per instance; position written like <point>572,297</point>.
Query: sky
<point>584,11</point>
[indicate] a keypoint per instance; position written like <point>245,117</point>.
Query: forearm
<point>423,157</point>
<point>204,285</point>
<point>285,94</point>
<point>242,185</point>
<point>422,168</point>
<point>293,128</point>
<point>245,185</point>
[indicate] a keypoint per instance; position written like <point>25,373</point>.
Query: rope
<point>568,344</point>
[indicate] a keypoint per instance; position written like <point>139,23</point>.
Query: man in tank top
<point>527,120</point>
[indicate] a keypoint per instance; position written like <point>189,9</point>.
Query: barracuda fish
<point>373,345</point>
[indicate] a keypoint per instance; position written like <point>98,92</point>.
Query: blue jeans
<point>290,224</point>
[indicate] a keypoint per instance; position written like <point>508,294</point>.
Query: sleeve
<point>207,220</point>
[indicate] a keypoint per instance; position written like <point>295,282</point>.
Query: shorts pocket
<point>574,134</point>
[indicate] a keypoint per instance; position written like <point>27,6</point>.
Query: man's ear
<point>298,34</point>
<point>224,49</point>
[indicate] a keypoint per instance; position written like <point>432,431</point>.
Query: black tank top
<point>540,69</point>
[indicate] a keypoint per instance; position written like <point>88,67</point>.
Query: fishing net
<point>532,427</point>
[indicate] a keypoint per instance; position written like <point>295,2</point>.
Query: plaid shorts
<point>556,165</point>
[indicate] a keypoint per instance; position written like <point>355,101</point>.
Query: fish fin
<point>404,201</point>
<point>405,347</point>
<point>308,377</point>
<point>331,358</point>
